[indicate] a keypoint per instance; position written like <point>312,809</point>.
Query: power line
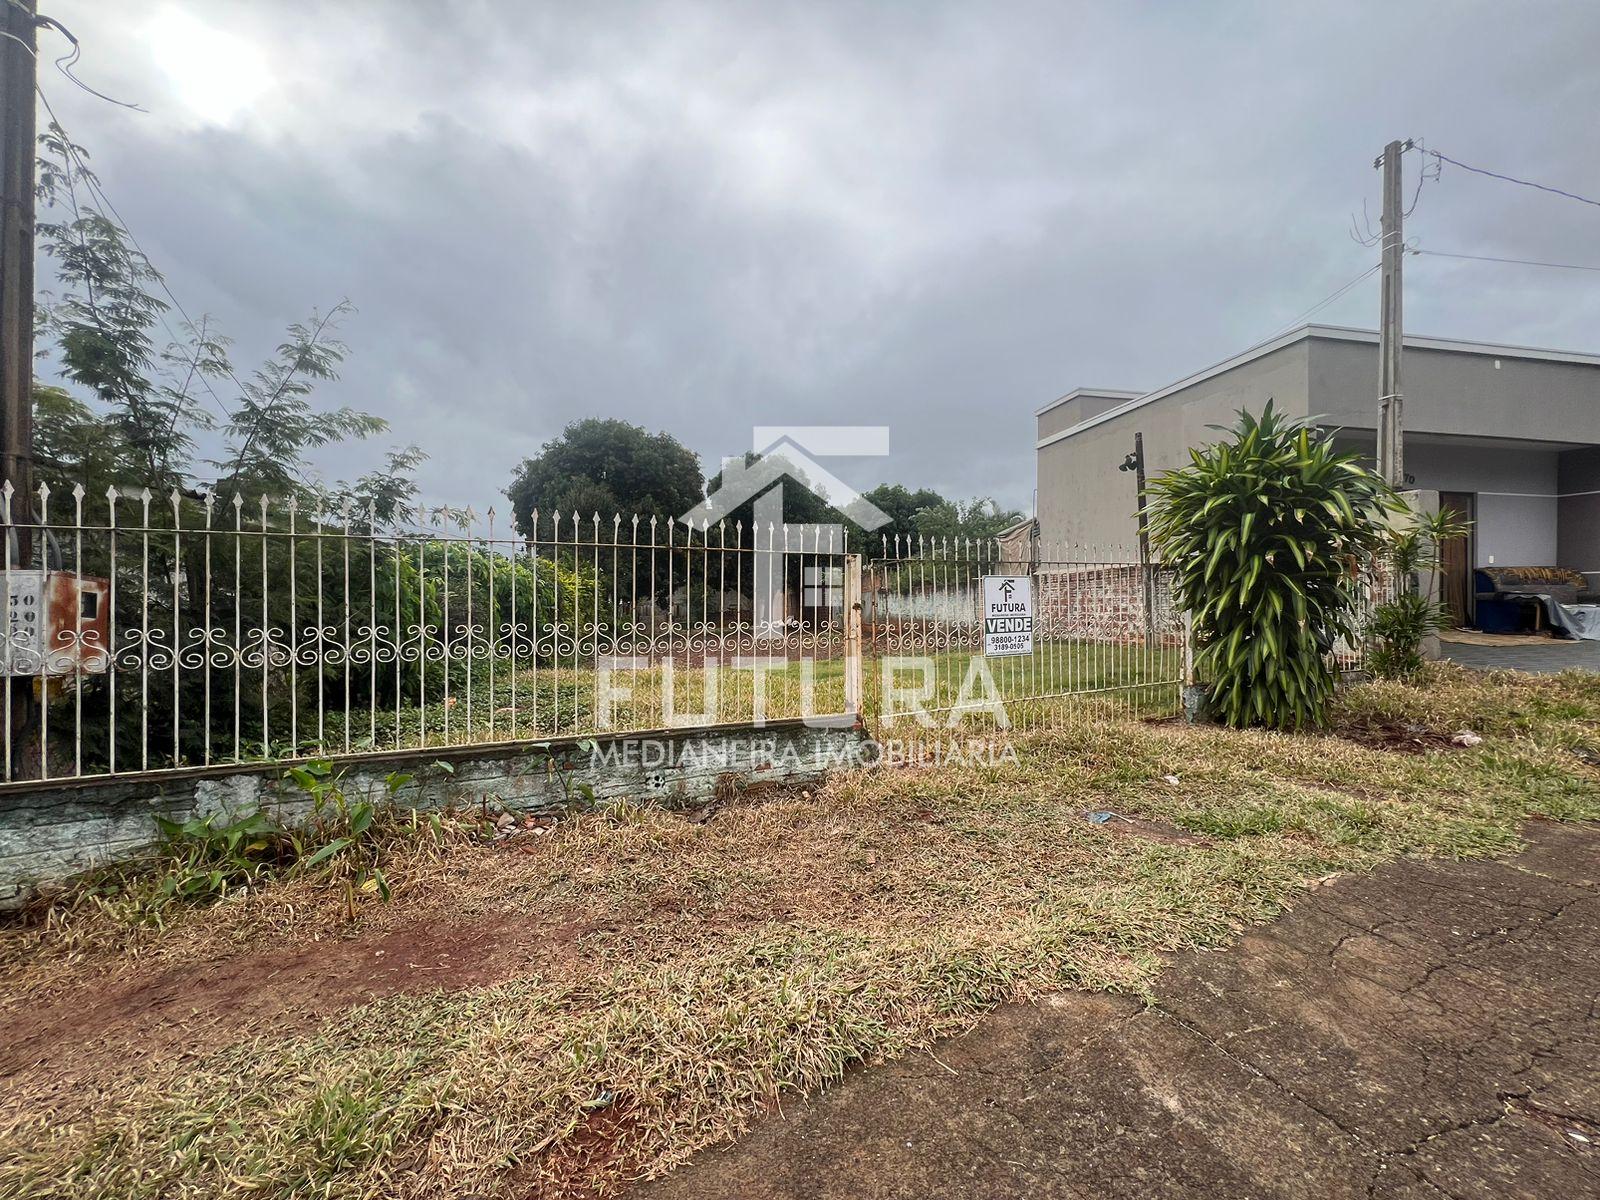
<point>1323,303</point>
<point>1521,262</point>
<point>67,61</point>
<point>1422,176</point>
<point>1555,191</point>
<point>93,184</point>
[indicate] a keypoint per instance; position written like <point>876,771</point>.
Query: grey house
<point>1507,435</point>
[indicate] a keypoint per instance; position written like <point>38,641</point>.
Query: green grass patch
<point>720,964</point>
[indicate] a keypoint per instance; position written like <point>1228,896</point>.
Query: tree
<point>901,506</point>
<point>606,466</point>
<point>147,405</point>
<point>978,519</point>
<point>138,409</point>
<point>1268,532</point>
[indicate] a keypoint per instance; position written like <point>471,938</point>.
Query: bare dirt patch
<point>160,1008</point>
<point>1401,737</point>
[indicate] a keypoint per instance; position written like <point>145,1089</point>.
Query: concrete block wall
<point>52,831</point>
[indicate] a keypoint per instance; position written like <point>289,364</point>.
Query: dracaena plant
<point>1267,531</point>
<point>1411,554</point>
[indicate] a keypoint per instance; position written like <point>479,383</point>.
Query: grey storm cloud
<point>930,216</point>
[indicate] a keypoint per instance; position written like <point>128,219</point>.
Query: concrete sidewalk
<point>1432,1030</point>
<point>1544,659</point>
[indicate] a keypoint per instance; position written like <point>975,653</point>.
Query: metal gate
<point>1105,633</point>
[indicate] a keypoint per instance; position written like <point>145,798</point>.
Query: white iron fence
<point>184,631</point>
<point>1103,628</point>
<point>150,633</point>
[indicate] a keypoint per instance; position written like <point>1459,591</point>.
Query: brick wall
<point>1107,603</point>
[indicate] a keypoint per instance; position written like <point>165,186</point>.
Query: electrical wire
<point>67,61</point>
<point>1322,304</point>
<point>1422,175</point>
<point>1555,191</point>
<point>93,184</point>
<point>1521,262</point>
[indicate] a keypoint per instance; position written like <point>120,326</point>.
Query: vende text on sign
<point>1007,615</point>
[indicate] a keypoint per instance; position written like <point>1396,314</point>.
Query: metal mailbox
<point>56,624</point>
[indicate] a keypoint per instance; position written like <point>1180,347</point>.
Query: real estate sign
<point>1007,615</point>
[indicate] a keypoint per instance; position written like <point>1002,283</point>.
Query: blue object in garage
<point>1502,616</point>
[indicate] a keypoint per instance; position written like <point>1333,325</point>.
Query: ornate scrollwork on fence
<point>302,627</point>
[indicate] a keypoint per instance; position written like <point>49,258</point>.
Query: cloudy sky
<point>932,216</point>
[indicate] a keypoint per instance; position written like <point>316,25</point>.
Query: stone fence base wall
<point>52,831</point>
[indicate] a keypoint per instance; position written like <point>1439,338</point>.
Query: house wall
<point>1578,524</point>
<point>1454,392</point>
<point>1515,489</point>
<point>1079,408</point>
<point>1084,500</point>
<point>1062,416</point>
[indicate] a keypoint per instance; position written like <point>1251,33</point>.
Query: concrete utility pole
<point>1391,424</point>
<point>18,75</point>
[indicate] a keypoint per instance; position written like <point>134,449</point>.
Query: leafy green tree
<point>139,407</point>
<point>979,518</point>
<point>902,506</point>
<point>1268,532</point>
<point>147,403</point>
<point>804,502</point>
<point>273,423</point>
<point>606,466</point>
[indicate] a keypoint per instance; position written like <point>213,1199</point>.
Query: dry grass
<point>723,964</point>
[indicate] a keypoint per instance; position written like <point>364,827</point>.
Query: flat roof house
<point>1508,435</point>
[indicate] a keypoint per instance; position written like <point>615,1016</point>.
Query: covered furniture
<point>1512,599</point>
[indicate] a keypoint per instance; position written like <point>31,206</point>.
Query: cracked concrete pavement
<point>1429,1030</point>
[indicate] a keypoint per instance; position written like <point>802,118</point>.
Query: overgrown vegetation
<point>1410,562</point>
<point>342,841</point>
<point>659,977</point>
<point>1267,532</point>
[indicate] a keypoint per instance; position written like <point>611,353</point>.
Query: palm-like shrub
<point>1266,532</point>
<point>1399,625</point>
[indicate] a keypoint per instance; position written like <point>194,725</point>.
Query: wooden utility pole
<point>1145,580</point>
<point>1391,422</point>
<point>18,77</point>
